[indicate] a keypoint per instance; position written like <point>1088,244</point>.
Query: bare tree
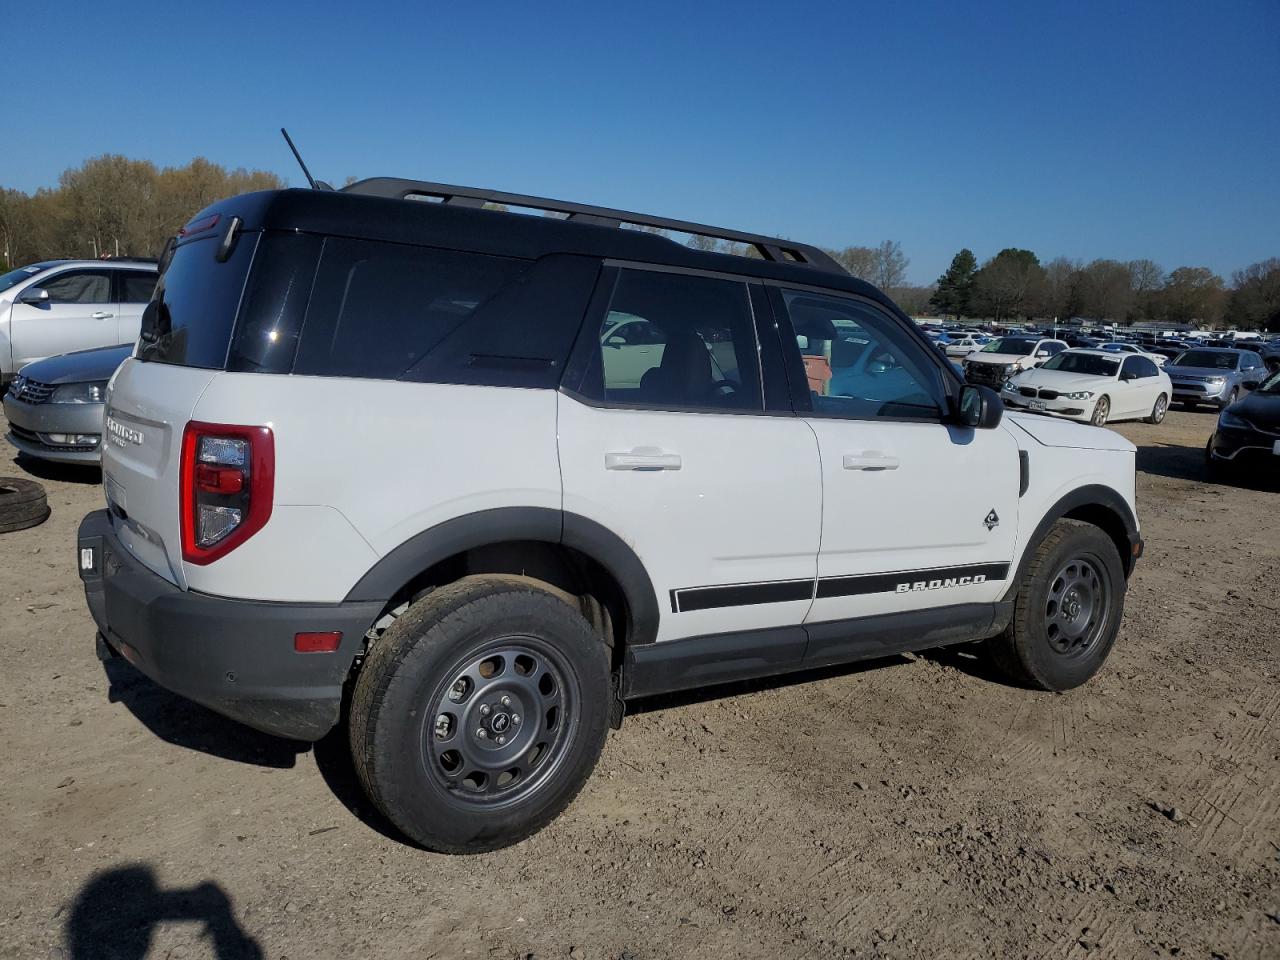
<point>890,265</point>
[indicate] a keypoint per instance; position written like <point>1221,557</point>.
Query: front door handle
<point>870,460</point>
<point>101,315</point>
<point>642,459</point>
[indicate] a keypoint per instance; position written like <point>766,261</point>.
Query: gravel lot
<point>910,807</point>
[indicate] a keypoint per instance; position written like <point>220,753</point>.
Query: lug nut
<point>515,718</point>
<point>506,701</point>
<point>482,733</point>
<point>484,709</point>
<point>501,741</point>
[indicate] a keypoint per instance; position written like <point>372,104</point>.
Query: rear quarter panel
<point>363,465</point>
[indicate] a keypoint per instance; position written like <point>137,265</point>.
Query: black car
<point>1249,430</point>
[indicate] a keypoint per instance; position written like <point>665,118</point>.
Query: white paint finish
<point>151,402</point>
<point>925,512</point>
<point>303,554</point>
<point>743,507</point>
<point>396,458</point>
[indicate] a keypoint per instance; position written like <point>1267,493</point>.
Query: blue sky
<point>1125,130</point>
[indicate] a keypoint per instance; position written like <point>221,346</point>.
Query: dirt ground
<point>910,807</point>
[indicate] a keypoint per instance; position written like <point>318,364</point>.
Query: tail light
<point>228,483</point>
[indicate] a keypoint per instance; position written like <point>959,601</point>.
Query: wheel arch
<point>567,551</point>
<point>1099,505</point>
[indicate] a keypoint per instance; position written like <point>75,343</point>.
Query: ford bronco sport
<point>466,480</point>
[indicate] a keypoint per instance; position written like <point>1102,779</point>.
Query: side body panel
<point>364,465</point>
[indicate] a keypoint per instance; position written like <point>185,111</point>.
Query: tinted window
<point>377,309</point>
<point>1143,367</point>
<point>79,286</point>
<point>196,303</point>
<point>1052,347</point>
<point>1015,345</point>
<point>859,362</point>
<point>672,340</point>
<point>136,286</point>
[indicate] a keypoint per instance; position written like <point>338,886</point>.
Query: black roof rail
<point>770,248</point>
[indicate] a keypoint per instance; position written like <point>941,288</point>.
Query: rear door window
<point>136,286</point>
<point>675,341</point>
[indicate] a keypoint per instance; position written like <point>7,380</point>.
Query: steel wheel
<point>499,722</point>
<point>1075,610</point>
<point>1100,411</point>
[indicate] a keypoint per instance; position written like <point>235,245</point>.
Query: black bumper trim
<point>234,656</point>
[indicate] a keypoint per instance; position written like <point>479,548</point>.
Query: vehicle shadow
<point>183,723</point>
<point>720,691</point>
<point>1188,463</point>
<point>968,659</point>
<point>79,473</point>
<point>333,759</point>
<point>117,911</point>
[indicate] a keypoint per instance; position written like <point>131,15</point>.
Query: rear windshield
<point>196,302</point>
<point>1207,358</point>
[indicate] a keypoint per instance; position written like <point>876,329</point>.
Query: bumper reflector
<point>317,642</point>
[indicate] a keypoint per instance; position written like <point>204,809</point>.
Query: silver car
<point>55,406</point>
<point>1213,375</point>
<point>57,306</point>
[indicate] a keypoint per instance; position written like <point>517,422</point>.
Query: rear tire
<point>1067,612</point>
<point>23,504</point>
<point>1159,410</point>
<point>484,654</point>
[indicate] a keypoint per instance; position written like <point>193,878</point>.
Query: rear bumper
<point>234,656</point>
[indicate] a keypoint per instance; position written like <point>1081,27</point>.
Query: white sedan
<point>962,345</point>
<point>1094,386</point>
<point>1119,346</point>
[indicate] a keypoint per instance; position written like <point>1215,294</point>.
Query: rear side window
<point>377,309</point>
<point>670,340</point>
<point>196,302</point>
<point>136,286</point>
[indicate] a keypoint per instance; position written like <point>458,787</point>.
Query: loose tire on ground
<point>1059,637</point>
<point>424,695</point>
<point>22,504</point>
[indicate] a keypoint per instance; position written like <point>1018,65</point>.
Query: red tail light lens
<point>228,484</point>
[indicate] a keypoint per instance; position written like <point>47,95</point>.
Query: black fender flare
<point>1090,495</point>
<point>541,524</point>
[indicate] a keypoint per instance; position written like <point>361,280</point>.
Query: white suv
<point>61,306</point>
<point>481,477</point>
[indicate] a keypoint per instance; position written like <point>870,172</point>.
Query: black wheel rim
<point>1076,607</point>
<point>500,722</point>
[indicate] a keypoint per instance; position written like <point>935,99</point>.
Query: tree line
<point>114,206</point>
<point>1014,285</point>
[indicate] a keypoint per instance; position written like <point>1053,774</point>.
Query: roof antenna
<point>315,184</point>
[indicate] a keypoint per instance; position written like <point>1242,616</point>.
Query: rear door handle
<point>100,315</point>
<point>638,460</point>
<point>870,460</point>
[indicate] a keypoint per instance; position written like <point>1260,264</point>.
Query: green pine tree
<point>956,285</point>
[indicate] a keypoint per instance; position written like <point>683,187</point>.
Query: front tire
<point>1068,610</point>
<point>1232,397</point>
<point>479,714</point>
<point>1101,410</point>
<point>1159,410</point>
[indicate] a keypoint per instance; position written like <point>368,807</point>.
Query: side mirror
<point>615,341</point>
<point>34,296</point>
<point>1043,354</point>
<point>1251,384</point>
<point>978,407</point>
<point>1127,375</point>
<point>152,326</point>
